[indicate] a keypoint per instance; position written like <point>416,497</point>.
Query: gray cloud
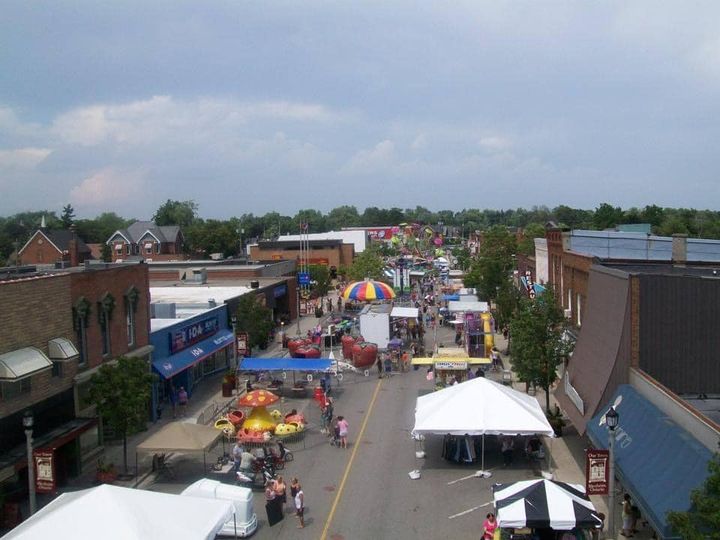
<point>251,108</point>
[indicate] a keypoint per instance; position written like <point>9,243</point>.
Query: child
<point>343,428</point>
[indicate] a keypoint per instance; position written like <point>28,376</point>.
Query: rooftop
<point>195,294</point>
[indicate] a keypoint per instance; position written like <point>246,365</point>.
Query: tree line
<point>205,236</point>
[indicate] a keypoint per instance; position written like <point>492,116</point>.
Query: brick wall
<point>93,284</point>
<point>336,256</point>
<point>34,311</point>
<point>40,251</point>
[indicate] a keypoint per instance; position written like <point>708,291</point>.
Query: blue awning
<point>285,364</point>
<point>658,462</point>
<point>174,364</point>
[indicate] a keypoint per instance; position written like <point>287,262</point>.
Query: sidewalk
<point>205,397</point>
<point>567,458</point>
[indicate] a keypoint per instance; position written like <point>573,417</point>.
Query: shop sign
<point>242,343</point>
<point>44,471</point>
<point>188,335</point>
<point>280,291</point>
<point>597,471</point>
<point>451,365</point>
<point>384,233</point>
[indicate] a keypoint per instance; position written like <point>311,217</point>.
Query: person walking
<point>300,505</point>
<point>489,526</point>
<point>182,400</point>
<point>343,428</point>
<point>379,365</point>
<point>628,517</point>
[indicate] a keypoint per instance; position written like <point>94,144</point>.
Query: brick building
<point>331,253</point>
<point>48,246</point>
<point>56,329</point>
<point>143,240</point>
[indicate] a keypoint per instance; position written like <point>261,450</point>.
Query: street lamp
<point>28,422</point>
<point>611,419</point>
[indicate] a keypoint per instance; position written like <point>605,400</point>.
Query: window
<point>105,309</point>
<point>127,249</point>
<point>131,302</point>
<point>579,310</point>
<point>57,369</point>
<point>81,312</point>
<point>11,390</point>
<point>157,247</point>
<point>148,248</point>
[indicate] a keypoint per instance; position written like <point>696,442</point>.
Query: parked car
<point>244,522</point>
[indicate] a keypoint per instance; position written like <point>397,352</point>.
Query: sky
<point>262,106</point>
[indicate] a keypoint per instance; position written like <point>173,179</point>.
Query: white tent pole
<point>483,453</point>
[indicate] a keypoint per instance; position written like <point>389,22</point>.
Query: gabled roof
<point>60,239</point>
<point>133,234</point>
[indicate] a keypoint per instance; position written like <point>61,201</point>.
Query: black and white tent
<point>544,504</point>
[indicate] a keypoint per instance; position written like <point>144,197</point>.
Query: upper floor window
<point>157,247</point>
<point>105,309</point>
<point>131,301</point>
<point>81,312</point>
<point>127,249</point>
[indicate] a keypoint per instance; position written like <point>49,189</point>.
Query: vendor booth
<point>448,368</point>
<point>547,508</point>
<point>118,513</point>
<point>479,407</point>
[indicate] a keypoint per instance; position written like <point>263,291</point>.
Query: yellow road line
<point>323,536</point>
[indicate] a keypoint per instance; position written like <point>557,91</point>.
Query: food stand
<point>451,365</point>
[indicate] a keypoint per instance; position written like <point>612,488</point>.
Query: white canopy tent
<point>118,513</point>
<point>404,312</point>
<point>480,407</point>
<point>455,306</point>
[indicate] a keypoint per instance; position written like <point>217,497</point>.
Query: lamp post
<point>611,419</point>
<point>28,422</point>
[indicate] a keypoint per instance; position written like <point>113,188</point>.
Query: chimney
<point>679,249</point>
<point>73,247</point>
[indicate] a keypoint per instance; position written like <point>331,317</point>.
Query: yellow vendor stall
<point>448,368</point>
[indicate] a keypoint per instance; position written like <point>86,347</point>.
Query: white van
<point>244,523</point>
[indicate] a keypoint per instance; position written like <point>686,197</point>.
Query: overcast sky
<point>260,106</point>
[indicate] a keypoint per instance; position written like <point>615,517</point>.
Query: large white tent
<point>480,407</point>
<point>118,513</point>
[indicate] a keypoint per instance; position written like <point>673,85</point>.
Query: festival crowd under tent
<point>118,513</point>
<point>544,504</point>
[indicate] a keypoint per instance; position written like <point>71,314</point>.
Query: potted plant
<point>556,420</point>
<point>106,473</point>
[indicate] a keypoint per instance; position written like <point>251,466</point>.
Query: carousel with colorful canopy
<point>367,291</point>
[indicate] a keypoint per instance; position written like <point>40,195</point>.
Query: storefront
<point>658,462</point>
<point>189,350</point>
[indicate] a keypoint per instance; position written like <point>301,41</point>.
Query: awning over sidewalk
<point>21,363</point>
<point>285,364</point>
<point>174,364</point>
<point>658,462</point>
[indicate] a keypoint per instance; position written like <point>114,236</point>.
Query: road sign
<point>304,278</point>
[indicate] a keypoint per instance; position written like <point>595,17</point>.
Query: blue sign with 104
<point>192,333</point>
<point>304,278</point>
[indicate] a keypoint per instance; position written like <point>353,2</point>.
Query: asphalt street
<point>365,492</point>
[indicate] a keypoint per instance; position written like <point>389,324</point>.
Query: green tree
<point>315,221</point>
<point>526,245</point>
<point>507,302</point>
<point>121,393</point>
<point>702,521</point>
<point>68,216</point>
<point>607,216</point>
<point>538,346</point>
<point>181,213</point>
<point>255,319</point>
<point>320,277</point>
<point>367,264</point>
<point>491,268</point>
<point>212,236</point>
<point>99,229</point>
<point>342,216</point>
